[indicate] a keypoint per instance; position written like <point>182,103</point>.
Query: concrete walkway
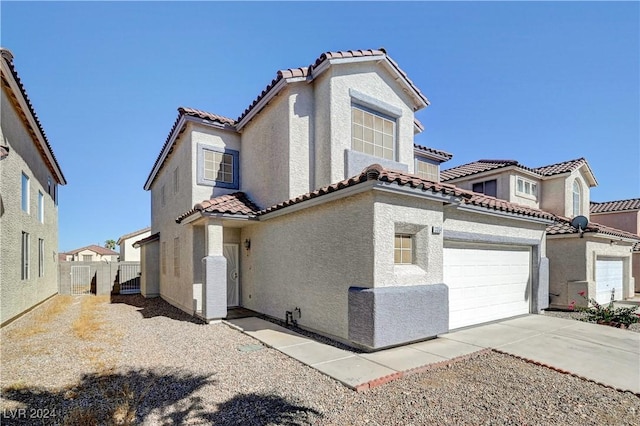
<point>603,354</point>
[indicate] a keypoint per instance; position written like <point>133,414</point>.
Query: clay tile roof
<point>307,71</point>
<point>236,203</point>
<point>563,226</point>
<point>443,155</point>
<point>563,167</point>
<point>190,112</point>
<point>636,247</point>
<point>505,206</point>
<point>96,249</point>
<point>615,206</point>
<point>474,168</point>
<point>150,238</point>
<point>133,234</point>
<point>377,172</point>
<point>7,57</point>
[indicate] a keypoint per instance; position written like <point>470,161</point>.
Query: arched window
<point>577,198</point>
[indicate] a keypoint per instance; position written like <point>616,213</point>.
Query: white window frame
<point>214,155</point>
<point>577,198</point>
<point>25,256</point>
<point>526,187</point>
<point>40,206</point>
<point>400,252</point>
<point>371,138</point>
<point>433,175</point>
<point>84,258</point>
<point>40,257</point>
<point>25,189</point>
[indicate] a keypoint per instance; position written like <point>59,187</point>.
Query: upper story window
<point>218,167</point>
<point>524,186</point>
<point>163,196</point>
<point>372,133</point>
<point>175,180</point>
<point>489,187</point>
<point>87,258</point>
<point>25,193</point>
<point>577,198</point>
<point>427,170</point>
<point>40,206</point>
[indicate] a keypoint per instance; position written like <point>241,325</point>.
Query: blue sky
<point>539,82</point>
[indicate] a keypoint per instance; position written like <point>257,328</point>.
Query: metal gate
<point>80,280</point>
<point>129,278</point>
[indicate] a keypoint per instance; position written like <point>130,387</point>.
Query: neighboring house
<point>595,261</point>
<point>92,253</point>
<point>622,214</point>
<point>30,175</point>
<point>129,253</point>
<point>307,208</point>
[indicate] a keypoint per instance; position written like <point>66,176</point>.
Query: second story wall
<point>626,220</point>
<point>369,88</point>
<point>559,194</point>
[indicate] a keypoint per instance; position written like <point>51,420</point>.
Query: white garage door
<point>609,275</point>
<point>486,282</point>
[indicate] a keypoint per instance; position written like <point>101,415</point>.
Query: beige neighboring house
<point>621,214</point>
<point>92,253</point>
<point>129,253</point>
<point>30,176</point>
<point>596,260</point>
<point>316,206</point>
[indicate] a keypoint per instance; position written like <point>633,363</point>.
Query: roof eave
<point>19,95</point>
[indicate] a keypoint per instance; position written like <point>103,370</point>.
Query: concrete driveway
<point>606,355</point>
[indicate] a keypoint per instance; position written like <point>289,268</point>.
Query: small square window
<point>426,170</point>
<point>527,187</point>
<point>403,249</point>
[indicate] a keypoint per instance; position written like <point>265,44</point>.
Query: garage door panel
<point>486,283</point>
<point>609,275</point>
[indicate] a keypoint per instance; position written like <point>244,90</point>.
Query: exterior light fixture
<point>247,244</point>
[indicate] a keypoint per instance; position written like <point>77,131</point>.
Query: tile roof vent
<point>373,171</point>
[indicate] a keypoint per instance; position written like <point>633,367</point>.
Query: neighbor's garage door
<point>486,282</point>
<point>609,275</point>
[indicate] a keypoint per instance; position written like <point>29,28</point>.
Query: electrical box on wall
<point>436,230</point>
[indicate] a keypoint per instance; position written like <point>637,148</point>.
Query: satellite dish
<point>580,223</point>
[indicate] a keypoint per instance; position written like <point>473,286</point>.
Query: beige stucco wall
<point>177,290</point>
<point>393,214</point>
<point>264,161</point>
<point>627,221</point>
<point>203,135</point>
<point>573,260</point>
<point>309,259</point>
<point>503,183</point>
<point>333,116</point>
<point>129,253</point>
<point>18,295</point>
<point>557,194</point>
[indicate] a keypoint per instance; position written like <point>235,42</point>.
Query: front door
<point>231,253</point>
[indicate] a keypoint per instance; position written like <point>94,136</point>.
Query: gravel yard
<point>137,361</point>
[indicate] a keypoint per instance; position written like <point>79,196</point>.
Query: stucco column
<point>214,287</point>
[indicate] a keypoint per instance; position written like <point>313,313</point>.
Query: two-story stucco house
<point>596,260</point>
<point>621,214</point>
<point>91,253</point>
<point>315,204</point>
<point>30,175</point>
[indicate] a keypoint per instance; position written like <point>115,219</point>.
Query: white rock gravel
<point>163,367</point>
